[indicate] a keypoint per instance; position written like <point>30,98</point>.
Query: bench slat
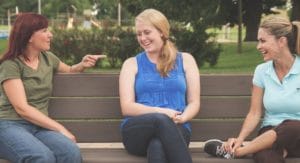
<point>121,156</point>
<point>109,108</point>
<point>226,85</point>
<point>102,108</point>
<point>217,129</point>
<point>224,107</point>
<point>118,155</point>
<point>91,85</point>
<point>96,131</point>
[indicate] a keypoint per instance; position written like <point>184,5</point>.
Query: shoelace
<point>221,152</point>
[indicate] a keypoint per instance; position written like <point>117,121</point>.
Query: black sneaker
<point>214,147</point>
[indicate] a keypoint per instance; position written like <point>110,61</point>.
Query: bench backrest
<point>88,105</point>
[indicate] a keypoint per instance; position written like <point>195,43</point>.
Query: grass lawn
<point>3,44</point>
<point>232,62</point>
<point>3,27</point>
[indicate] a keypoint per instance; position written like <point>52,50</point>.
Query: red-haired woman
<point>27,134</point>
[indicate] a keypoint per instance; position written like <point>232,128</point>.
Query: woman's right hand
<point>169,112</point>
<point>232,144</point>
<point>90,60</point>
<point>68,134</point>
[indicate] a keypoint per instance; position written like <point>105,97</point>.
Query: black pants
<point>157,137</point>
<point>288,138</point>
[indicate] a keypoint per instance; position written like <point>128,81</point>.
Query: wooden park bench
<point>88,105</point>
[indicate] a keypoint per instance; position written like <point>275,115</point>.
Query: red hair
<point>24,27</point>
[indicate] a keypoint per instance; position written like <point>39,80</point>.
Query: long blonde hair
<point>167,57</point>
<point>282,27</point>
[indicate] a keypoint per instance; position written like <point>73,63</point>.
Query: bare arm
<point>127,95</point>
<point>251,121</point>
<point>15,92</point>
<point>193,89</point>
<point>87,61</point>
<point>254,115</point>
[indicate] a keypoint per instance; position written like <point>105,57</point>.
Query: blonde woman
<point>276,87</point>
<point>159,93</point>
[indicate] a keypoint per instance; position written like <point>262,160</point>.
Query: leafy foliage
<point>202,50</point>
<point>117,43</point>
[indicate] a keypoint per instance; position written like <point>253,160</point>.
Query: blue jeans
<point>157,137</point>
<point>24,142</point>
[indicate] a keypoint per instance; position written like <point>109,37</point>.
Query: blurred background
<point>220,34</point>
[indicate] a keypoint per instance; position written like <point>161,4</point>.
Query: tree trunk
<point>295,10</point>
<point>253,12</point>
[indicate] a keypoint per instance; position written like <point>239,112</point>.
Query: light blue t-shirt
<point>281,99</point>
<point>152,89</point>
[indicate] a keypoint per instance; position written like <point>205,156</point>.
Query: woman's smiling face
<point>149,38</point>
<point>268,45</point>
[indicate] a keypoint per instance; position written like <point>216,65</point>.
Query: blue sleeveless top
<point>152,89</point>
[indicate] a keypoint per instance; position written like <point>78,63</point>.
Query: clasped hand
<point>175,115</point>
<point>232,144</point>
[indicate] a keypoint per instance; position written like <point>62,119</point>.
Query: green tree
<point>52,8</point>
<point>23,6</point>
<point>252,11</point>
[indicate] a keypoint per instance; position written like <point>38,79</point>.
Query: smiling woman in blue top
<point>159,93</point>
<point>276,87</point>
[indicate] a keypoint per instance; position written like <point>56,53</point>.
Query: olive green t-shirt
<point>37,83</point>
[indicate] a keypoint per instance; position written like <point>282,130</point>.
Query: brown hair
<point>282,27</point>
<point>24,27</point>
<point>159,21</point>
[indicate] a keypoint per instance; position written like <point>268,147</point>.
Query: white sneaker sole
<point>214,140</point>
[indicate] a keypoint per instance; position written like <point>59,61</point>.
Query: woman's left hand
<point>90,60</point>
<point>179,119</point>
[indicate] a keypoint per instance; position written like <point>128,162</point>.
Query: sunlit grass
<point>3,44</point>
<point>230,61</point>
